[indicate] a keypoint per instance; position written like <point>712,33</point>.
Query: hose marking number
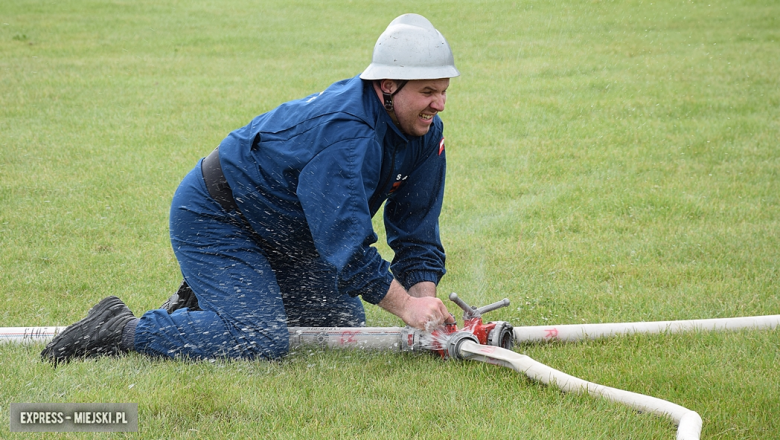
<point>348,337</point>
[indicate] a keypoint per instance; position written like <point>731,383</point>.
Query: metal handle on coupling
<point>468,311</point>
<point>474,312</point>
<point>496,305</point>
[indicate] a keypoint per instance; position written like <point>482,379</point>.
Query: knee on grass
<point>265,344</point>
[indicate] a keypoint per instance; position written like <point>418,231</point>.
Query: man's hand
<point>421,313</point>
<point>426,313</point>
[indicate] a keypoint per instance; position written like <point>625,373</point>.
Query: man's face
<point>417,103</point>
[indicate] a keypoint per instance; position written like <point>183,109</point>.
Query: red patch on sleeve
<point>441,146</point>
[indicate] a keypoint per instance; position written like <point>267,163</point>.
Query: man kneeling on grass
<point>273,229</point>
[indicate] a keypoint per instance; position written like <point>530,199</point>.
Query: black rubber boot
<point>184,298</point>
<point>99,334</point>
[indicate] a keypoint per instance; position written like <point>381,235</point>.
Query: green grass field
<point>608,161</point>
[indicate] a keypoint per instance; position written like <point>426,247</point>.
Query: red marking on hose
<point>348,337</point>
<point>551,333</point>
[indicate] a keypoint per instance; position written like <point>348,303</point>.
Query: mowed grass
<point>608,161</point>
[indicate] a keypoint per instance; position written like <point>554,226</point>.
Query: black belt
<point>216,184</point>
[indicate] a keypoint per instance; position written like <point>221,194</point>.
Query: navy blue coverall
<point>307,177</point>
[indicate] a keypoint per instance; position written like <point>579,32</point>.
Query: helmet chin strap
<point>388,97</point>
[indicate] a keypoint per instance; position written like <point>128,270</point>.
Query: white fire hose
<point>579,332</point>
<point>688,422</point>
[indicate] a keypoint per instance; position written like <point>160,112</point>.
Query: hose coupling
<point>457,339</point>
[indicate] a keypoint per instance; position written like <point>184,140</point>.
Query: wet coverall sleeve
<point>334,196</point>
<point>412,221</point>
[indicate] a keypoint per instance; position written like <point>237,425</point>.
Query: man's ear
<point>387,86</point>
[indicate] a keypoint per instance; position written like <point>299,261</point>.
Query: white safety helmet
<point>411,48</point>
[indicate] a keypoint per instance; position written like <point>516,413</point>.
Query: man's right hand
<point>422,313</point>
